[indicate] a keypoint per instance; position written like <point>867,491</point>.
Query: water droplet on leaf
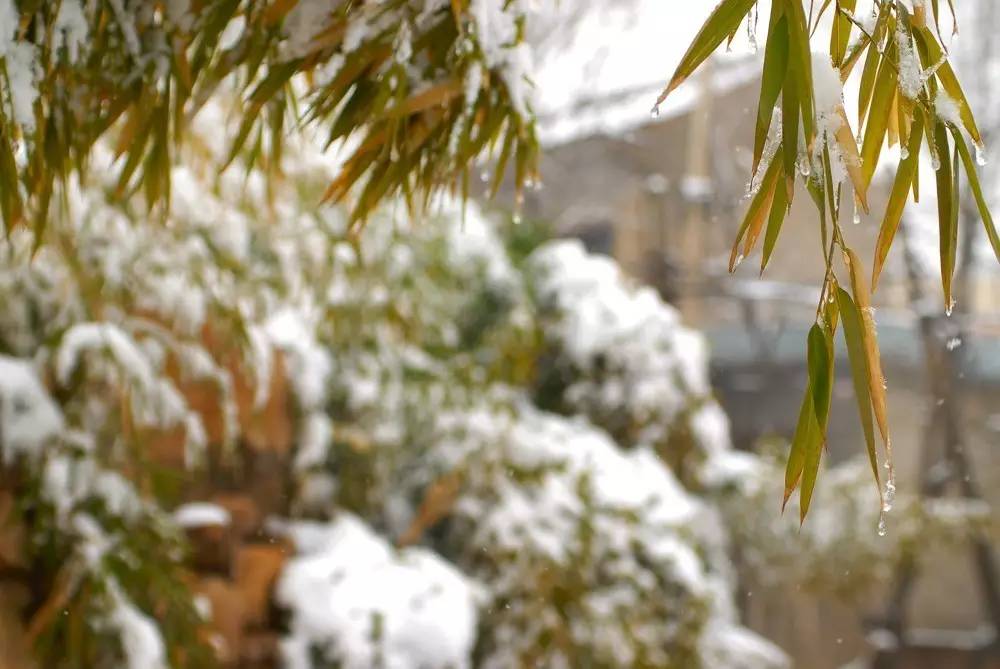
<point>981,157</point>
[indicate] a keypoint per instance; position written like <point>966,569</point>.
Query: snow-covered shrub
<point>617,353</point>
<point>418,357</point>
<point>106,556</point>
<point>589,550</point>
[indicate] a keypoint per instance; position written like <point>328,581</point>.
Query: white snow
<point>21,62</point>
<point>361,604</point>
<point>946,107</point>
<point>201,514</point>
<point>29,418</point>
<point>911,74</point>
<point>70,29</point>
<point>631,351</point>
<point>140,637</point>
<point>496,30</point>
<point>827,87</point>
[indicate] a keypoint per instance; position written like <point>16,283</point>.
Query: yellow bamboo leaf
<point>869,335</point>
<point>852,159</point>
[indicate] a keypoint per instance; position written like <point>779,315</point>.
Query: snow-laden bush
<point>420,358</point>
<point>616,353</point>
<point>105,555</point>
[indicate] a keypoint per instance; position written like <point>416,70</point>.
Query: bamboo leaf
<point>841,32</point>
<point>977,191</point>
<point>947,200</point>
<point>800,59</point>
<point>820,358</point>
<point>876,381</point>
<point>760,205</point>
<point>946,75</point>
<point>806,439</point>
<point>772,79</point>
<point>779,208</point>
<point>867,86</point>
<point>852,159</point>
<point>854,339</point>
<point>790,110</point>
<point>878,115</point>
<point>724,20</point>
<point>897,198</point>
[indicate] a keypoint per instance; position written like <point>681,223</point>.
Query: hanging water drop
<point>752,33</point>
<point>953,343</point>
<point>981,157</point>
<point>739,259</point>
<point>805,168</point>
<point>889,497</point>
<point>949,308</point>
<point>857,213</point>
<point>655,111</point>
<point>881,526</point>
<point>484,176</point>
<point>904,152</point>
<point>935,161</point>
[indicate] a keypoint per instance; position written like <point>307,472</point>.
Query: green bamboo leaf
<point>806,438</point>
<point>947,200</point>
<point>724,20</point>
<point>810,470</point>
<point>854,339</point>
<point>800,59</point>
<point>878,115</point>
<point>820,358</point>
<point>897,198</point>
<point>790,109</point>
<point>841,32</point>
<point>867,87</point>
<point>977,191</point>
<point>772,79</point>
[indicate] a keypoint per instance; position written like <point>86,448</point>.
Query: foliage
<point>418,90</point>
<point>100,557</point>
<point>908,95</point>
<point>411,357</point>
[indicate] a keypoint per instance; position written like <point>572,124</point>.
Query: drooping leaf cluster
<point>411,91</point>
<point>908,95</point>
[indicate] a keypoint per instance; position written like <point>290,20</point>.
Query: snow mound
<point>359,603</point>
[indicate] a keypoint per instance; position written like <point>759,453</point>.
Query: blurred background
<point>664,195</point>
